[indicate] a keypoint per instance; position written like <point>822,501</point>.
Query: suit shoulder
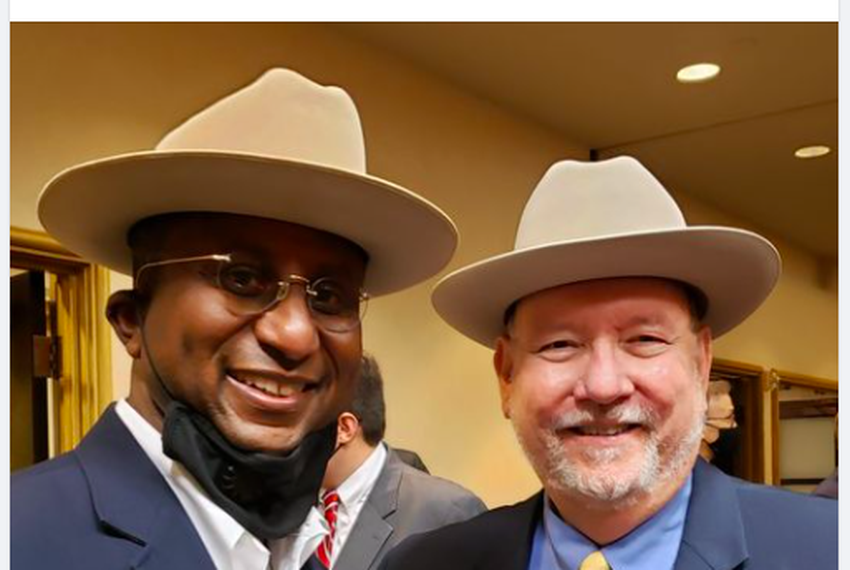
<point>424,480</point>
<point>46,479</point>
<point>785,504</point>
<point>441,490</point>
<point>36,491</point>
<point>463,544</point>
<point>800,527</point>
<point>51,511</point>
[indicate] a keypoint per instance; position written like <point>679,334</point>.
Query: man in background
<point>371,499</point>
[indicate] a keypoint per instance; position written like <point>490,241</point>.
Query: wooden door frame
<point>84,387</point>
<point>781,376</point>
<point>755,385</point>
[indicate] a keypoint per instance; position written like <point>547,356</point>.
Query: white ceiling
<point>611,87</point>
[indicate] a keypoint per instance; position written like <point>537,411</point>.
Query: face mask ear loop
<point>169,395</point>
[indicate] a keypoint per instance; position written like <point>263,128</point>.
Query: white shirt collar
<point>227,542</point>
<point>357,487</point>
<point>353,492</point>
<point>292,551</point>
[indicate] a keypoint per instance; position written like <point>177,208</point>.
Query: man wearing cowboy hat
<point>602,321</point>
<point>254,236</point>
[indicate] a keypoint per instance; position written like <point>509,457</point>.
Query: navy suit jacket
<point>103,505</point>
<point>730,524</point>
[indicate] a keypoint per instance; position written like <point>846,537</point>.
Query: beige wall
<point>797,327</point>
<point>85,91</point>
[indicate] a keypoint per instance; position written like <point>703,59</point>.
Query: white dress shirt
<point>229,545</point>
<point>353,492</point>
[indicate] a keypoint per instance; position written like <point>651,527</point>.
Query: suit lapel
<point>515,528</point>
<point>133,502</point>
<point>369,534</point>
<point>372,528</point>
<point>714,537</point>
<point>170,545</point>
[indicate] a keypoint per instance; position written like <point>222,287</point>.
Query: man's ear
<point>125,315</point>
<point>347,427</point>
<point>706,353</point>
<point>503,363</point>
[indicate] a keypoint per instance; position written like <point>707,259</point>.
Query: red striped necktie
<point>330,503</point>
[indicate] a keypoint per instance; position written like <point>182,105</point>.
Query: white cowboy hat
<point>609,219</point>
<point>283,148</point>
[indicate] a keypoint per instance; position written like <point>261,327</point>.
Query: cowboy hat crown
<point>280,115</point>
<point>609,219</point>
<point>283,148</point>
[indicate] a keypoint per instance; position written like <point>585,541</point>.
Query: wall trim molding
<point>80,290</point>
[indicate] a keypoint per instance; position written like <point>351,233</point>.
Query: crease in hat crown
<point>609,219</point>
<point>580,201</point>
<point>281,114</point>
<point>284,148</point>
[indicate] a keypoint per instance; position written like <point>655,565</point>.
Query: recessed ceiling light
<point>813,151</point>
<point>697,73</point>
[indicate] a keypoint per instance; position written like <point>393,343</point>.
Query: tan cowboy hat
<point>283,148</point>
<point>609,219</point>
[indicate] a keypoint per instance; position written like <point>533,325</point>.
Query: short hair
<point>147,239</point>
<point>697,305</point>
<point>368,404</point>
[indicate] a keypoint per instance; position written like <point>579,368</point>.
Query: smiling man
<point>255,238</point>
<point>602,320</point>
<point>619,421</point>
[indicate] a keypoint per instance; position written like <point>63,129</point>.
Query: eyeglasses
<point>253,288</point>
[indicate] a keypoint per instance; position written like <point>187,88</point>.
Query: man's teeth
<point>272,387</point>
<point>608,431</point>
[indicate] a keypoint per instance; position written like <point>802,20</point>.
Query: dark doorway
<point>28,393</point>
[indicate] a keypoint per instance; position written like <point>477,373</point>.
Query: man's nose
<point>604,379</point>
<point>288,327</point>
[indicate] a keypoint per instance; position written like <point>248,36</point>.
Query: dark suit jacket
<point>404,501</point>
<point>103,505</point>
<point>730,524</point>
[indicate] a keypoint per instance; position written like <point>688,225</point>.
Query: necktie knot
<point>594,561</point>
<point>330,499</point>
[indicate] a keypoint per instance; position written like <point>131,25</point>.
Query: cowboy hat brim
<point>735,269</point>
<point>91,207</point>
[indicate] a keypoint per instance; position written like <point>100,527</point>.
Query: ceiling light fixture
<point>698,73</point>
<point>813,151</point>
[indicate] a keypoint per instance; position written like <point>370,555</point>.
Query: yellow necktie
<point>594,561</point>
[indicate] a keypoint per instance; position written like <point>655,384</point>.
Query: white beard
<point>604,482</point>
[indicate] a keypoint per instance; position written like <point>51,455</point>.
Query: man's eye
<point>647,339</point>
<point>558,344</point>
<point>244,280</point>
<point>557,348</point>
<point>330,298</point>
<point>647,345</point>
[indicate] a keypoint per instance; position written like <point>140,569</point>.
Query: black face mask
<point>269,495</point>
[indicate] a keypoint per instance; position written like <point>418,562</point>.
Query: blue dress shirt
<point>651,546</point>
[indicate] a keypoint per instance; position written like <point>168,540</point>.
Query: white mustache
<point>622,414</point>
